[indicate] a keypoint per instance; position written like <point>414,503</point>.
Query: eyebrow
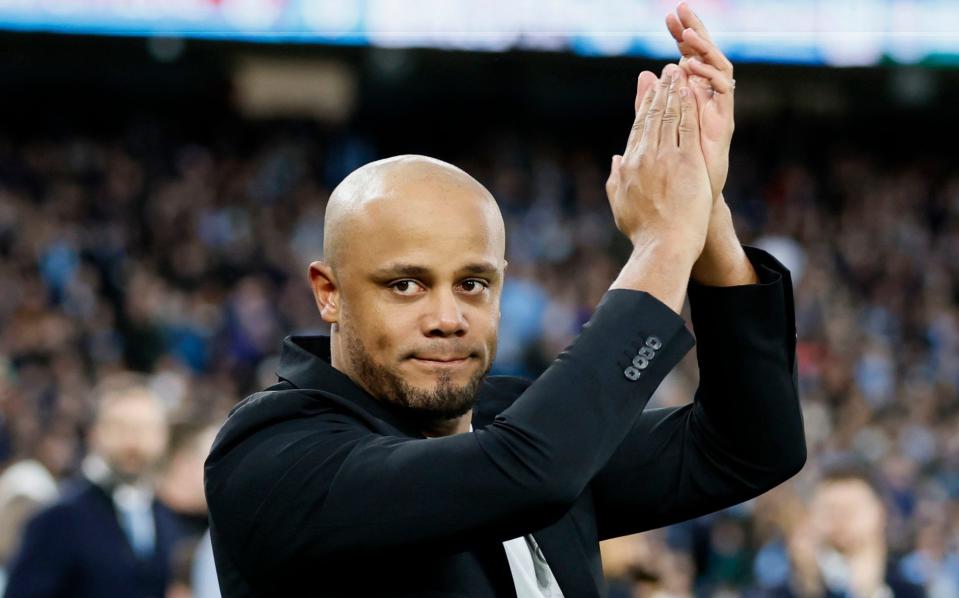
<point>480,268</point>
<point>414,271</point>
<point>393,270</point>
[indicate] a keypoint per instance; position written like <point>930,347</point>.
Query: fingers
<point>639,122</point>
<point>654,116</point>
<point>644,83</point>
<point>718,80</point>
<point>649,115</point>
<point>645,91</point>
<point>689,20</point>
<point>675,28</point>
<point>707,51</point>
<point>669,133</point>
<point>688,121</point>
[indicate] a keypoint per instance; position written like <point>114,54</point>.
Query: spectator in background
<point>181,488</point>
<point>933,563</point>
<point>25,487</point>
<point>645,566</point>
<point>840,549</point>
<point>180,485</point>
<point>107,535</point>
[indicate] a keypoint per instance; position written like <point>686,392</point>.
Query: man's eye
<point>474,286</point>
<point>406,287</point>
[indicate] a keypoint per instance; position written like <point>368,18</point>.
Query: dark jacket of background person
<point>317,489</point>
<point>76,549</point>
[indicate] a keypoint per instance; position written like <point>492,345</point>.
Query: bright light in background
<point>833,32</point>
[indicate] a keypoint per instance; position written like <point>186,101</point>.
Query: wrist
<point>723,261</point>
<point>681,248</point>
<point>680,251</point>
<point>660,266</point>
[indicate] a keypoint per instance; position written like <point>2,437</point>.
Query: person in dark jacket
<point>107,535</point>
<point>385,462</point>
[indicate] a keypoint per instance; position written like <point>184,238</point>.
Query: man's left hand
<point>711,78</point>
<point>723,261</point>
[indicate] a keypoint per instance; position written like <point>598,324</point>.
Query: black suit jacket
<point>317,489</point>
<point>76,549</point>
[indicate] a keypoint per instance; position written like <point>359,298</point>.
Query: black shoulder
<point>498,392</point>
<point>277,404</point>
<point>507,385</point>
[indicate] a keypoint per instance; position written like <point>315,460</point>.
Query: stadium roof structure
<point>825,32</point>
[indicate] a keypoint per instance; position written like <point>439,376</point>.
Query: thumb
<point>612,182</point>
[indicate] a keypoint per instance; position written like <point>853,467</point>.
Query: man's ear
<point>325,291</point>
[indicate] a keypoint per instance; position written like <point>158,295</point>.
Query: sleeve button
<point>654,343</point>
<point>640,362</point>
<point>632,373</point>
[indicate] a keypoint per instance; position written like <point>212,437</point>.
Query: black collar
<point>305,363</point>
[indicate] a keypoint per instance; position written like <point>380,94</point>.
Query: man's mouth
<point>441,360</point>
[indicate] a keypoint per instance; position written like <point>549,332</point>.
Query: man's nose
<point>446,317</point>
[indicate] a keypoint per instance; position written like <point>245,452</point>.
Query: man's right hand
<point>659,191</point>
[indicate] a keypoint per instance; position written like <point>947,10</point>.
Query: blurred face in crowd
<point>181,483</point>
<point>130,433</point>
<point>848,515</point>
<point>411,283</point>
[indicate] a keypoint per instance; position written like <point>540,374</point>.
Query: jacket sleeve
<point>313,489</point>
<point>743,433</point>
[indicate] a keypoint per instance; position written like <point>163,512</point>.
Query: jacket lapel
<point>564,553</point>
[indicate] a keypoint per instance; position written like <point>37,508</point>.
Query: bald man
<point>385,462</point>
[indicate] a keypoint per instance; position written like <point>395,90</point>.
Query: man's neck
<point>458,425</point>
<point>97,471</point>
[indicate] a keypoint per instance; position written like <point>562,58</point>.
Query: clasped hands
<point>667,186</point>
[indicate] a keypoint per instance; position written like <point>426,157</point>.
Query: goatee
<point>442,402</point>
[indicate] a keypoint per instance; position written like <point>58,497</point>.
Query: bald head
<point>412,182</point>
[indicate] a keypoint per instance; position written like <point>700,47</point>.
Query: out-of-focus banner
<point>834,32</point>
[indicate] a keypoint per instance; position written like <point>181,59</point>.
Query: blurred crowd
<point>148,273</point>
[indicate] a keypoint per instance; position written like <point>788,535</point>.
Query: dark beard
<point>443,402</point>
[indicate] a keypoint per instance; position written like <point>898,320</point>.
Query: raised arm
<point>743,433</point>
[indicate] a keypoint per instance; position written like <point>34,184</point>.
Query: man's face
<point>419,290</point>
<point>130,435</point>
<point>847,514</point>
